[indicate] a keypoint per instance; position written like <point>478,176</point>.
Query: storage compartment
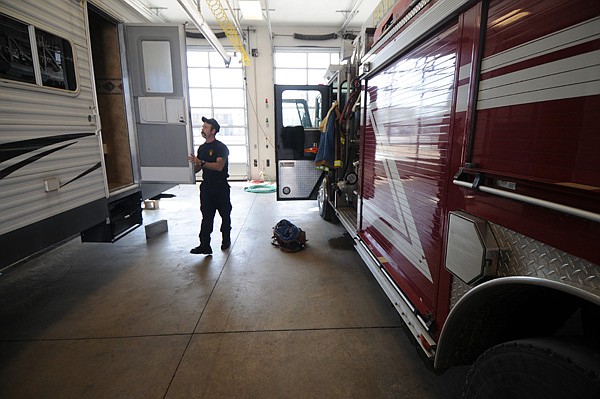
<point>125,215</point>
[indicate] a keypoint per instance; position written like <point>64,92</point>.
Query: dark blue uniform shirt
<point>209,152</point>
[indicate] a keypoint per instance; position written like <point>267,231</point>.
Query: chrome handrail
<point>595,217</point>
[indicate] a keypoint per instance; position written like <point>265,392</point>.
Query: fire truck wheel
<point>535,368</point>
<point>325,208</point>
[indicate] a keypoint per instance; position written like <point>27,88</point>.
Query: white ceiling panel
<point>317,13</point>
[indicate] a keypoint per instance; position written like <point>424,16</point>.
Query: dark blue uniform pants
<point>214,196</point>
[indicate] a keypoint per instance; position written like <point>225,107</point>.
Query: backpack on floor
<point>288,237</point>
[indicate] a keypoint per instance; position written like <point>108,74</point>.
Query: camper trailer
<point>93,120</point>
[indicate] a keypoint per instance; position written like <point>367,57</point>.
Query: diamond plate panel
<point>459,288</point>
<point>296,179</point>
<point>524,256</point>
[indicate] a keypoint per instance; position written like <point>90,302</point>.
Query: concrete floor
<point>144,318</point>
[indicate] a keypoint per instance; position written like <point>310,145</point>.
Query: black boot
<point>226,243</point>
<point>201,249</point>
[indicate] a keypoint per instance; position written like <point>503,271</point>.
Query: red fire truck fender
<point>502,310</point>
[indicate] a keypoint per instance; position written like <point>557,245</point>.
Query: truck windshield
<point>301,108</point>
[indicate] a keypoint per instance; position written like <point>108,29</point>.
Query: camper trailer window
<point>56,61</point>
<point>158,71</point>
<point>16,62</point>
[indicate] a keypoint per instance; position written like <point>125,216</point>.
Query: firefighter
<point>212,159</point>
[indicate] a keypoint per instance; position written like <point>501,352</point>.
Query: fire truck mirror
<point>472,251</point>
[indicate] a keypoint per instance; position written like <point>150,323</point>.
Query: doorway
<point>108,74</point>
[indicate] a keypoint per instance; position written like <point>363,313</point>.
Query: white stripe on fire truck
<point>571,77</point>
<point>582,33</point>
<point>462,98</point>
<point>464,72</point>
<point>575,76</point>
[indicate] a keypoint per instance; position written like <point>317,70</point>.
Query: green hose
<point>261,188</point>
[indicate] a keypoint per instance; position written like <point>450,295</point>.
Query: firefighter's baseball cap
<point>212,122</point>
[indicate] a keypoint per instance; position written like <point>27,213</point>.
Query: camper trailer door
<point>157,67</point>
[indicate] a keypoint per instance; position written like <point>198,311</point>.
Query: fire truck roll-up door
<point>404,166</point>
<point>299,110</point>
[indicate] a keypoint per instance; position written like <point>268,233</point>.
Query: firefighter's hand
<point>194,160</point>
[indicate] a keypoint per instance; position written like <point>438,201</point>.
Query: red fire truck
<point>466,166</point>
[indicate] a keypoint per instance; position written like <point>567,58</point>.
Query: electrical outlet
<point>51,185</point>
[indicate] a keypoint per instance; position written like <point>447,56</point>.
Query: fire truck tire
<point>535,368</point>
<point>325,208</point>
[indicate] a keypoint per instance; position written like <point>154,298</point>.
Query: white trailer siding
<point>29,113</point>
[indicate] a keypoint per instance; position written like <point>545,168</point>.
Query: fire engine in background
<point>464,160</point>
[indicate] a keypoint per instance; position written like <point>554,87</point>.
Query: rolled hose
<point>261,188</point>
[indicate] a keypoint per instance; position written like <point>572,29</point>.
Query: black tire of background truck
<point>325,208</point>
<point>533,369</point>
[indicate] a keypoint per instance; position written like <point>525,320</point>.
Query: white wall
<point>261,135</point>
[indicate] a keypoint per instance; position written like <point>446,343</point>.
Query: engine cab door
<point>299,110</point>
<point>156,56</point>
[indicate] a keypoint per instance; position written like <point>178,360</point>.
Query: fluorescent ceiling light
<point>251,10</point>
